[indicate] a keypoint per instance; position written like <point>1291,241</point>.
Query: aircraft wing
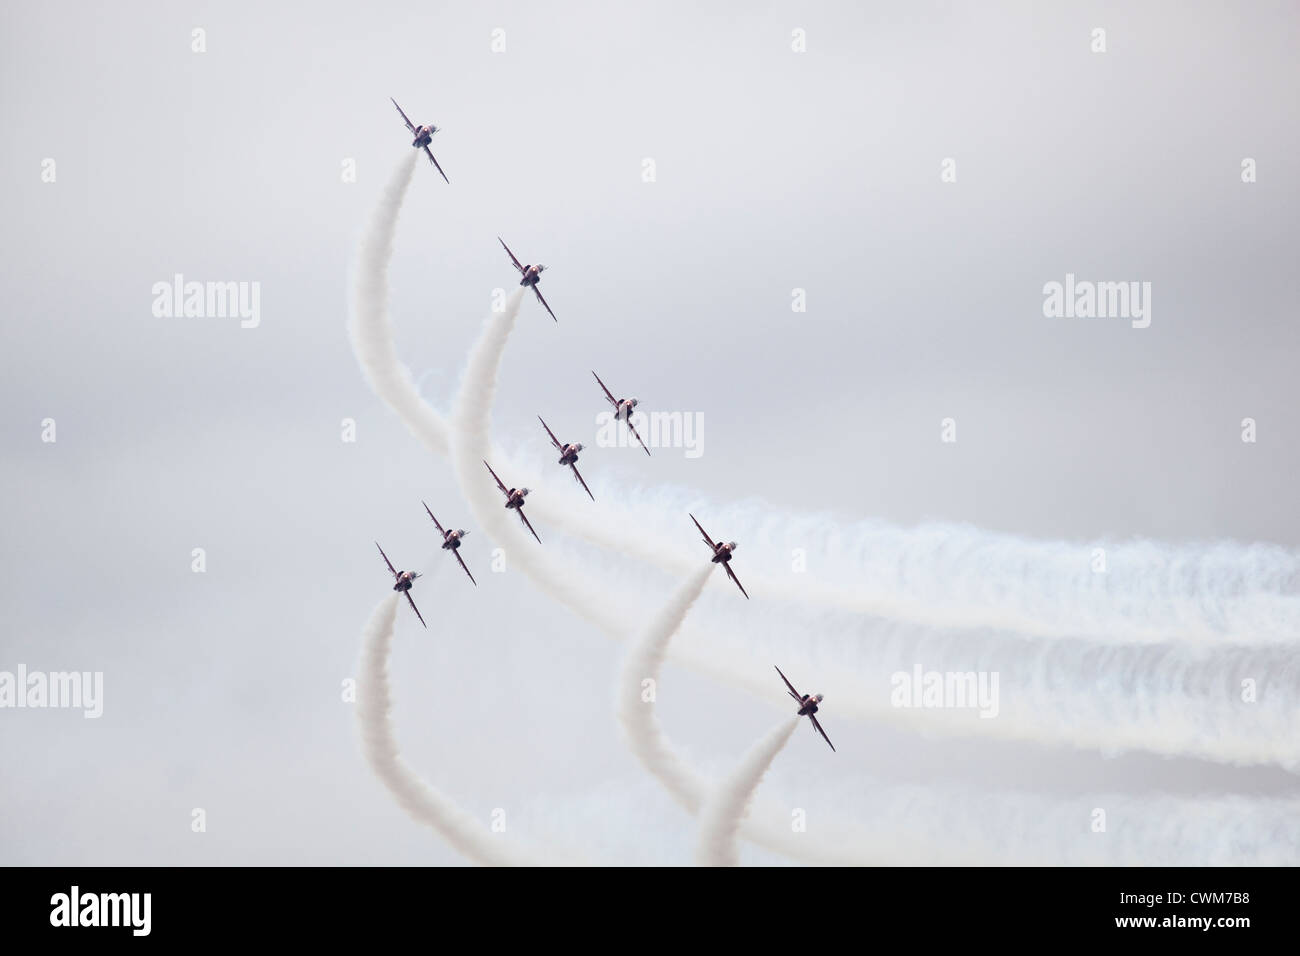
<point>813,718</point>
<point>578,475</point>
<point>538,292</point>
<point>793,693</point>
<point>510,254</point>
<point>554,441</point>
<point>709,542</point>
<point>386,561</point>
<point>405,118</point>
<point>456,552</point>
<point>435,521</point>
<point>416,609</point>
<point>732,574</point>
<point>524,518</point>
<point>428,152</point>
<point>613,401</point>
<point>632,429</point>
<point>504,490</point>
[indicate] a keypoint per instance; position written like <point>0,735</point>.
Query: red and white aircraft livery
<point>451,542</point>
<point>404,581</point>
<point>515,501</point>
<point>622,409</point>
<point>531,275</point>
<point>423,136</point>
<point>722,555</point>
<point>568,456</point>
<point>807,707</point>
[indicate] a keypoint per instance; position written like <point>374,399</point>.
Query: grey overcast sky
<point>775,170</point>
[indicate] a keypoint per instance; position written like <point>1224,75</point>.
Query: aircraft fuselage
<point>722,553</point>
<point>809,706</point>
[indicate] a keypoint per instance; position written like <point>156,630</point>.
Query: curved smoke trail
<point>958,577</point>
<point>1096,828</point>
<point>636,691</point>
<point>471,446</point>
<point>370,329</point>
<point>918,825</point>
<point>420,801</point>
<point>634,703</point>
<point>936,575</point>
<point>1236,705</point>
<point>723,811</point>
<point>571,586</point>
<point>1160,698</point>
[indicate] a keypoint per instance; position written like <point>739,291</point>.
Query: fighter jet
<point>568,456</point>
<point>515,500</point>
<point>622,409</point>
<point>451,542</point>
<point>807,707</point>
<point>404,581</point>
<point>722,555</point>
<point>423,136</point>
<point>531,276</point>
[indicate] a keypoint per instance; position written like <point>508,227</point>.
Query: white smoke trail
<point>955,576</point>
<point>935,575</point>
<point>1222,577</point>
<point>572,587</point>
<point>911,825</point>
<point>1235,705</point>
<point>470,447</point>
<point>636,692</point>
<point>723,811</point>
<point>637,689</point>
<point>420,801</point>
<point>1094,828</point>
<point>1159,698</point>
<point>370,329</point>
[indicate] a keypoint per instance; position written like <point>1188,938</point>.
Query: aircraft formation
<point>531,277</point>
